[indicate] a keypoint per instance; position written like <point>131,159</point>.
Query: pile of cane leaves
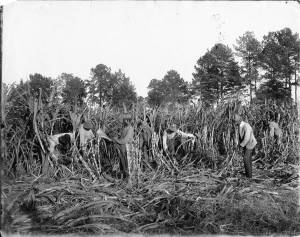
<point>189,202</point>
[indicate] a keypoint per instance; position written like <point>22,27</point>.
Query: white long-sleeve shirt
<point>246,133</point>
<point>183,135</point>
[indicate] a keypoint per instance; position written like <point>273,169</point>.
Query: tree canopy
<point>280,60</point>
<point>74,91</point>
<point>248,49</point>
<point>268,68</point>
<point>170,89</point>
<point>112,88</point>
<point>217,74</point>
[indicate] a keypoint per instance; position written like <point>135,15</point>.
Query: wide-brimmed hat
<point>87,125</point>
<point>172,127</point>
<point>236,118</point>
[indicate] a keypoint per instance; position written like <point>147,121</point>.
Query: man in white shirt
<point>247,141</point>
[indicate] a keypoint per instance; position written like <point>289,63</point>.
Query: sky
<point>145,39</point>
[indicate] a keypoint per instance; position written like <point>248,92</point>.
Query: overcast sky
<point>144,39</point>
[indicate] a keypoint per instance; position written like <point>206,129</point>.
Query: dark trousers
<point>248,162</point>
<point>123,160</point>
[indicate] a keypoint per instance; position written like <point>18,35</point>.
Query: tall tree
<point>156,93</point>
<point>205,81</point>
<point>234,81</point>
<point>280,57</point>
<point>100,90</point>
<point>175,88</point>
<point>39,83</point>
<point>123,90</point>
<point>113,88</point>
<point>74,91</point>
<point>249,48</point>
<point>217,74</point>
<point>290,63</point>
<point>171,89</point>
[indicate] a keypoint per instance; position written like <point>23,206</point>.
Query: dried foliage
<point>193,201</point>
<point>202,192</point>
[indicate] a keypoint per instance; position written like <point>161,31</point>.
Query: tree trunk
<point>250,92</point>
<point>296,85</point>
<point>249,78</point>
<point>255,88</point>
<point>290,86</point>
<point>221,90</point>
<point>218,94</point>
<point>296,95</point>
<point>100,98</point>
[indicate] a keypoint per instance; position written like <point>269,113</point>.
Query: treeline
<point>253,69</point>
<point>104,87</point>
<point>257,70</point>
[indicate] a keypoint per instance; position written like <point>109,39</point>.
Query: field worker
<point>85,134</point>
<point>247,141</point>
<point>145,141</point>
<point>275,132</point>
<point>125,145</point>
<point>169,136</point>
<point>145,135</point>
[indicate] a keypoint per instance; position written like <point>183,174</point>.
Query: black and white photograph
<point>150,118</point>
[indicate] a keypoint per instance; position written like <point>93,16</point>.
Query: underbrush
<point>194,201</point>
<point>200,192</point>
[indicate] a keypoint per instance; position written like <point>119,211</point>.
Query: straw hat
<point>87,125</point>
<point>236,118</point>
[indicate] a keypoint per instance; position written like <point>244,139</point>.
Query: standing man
<point>125,145</point>
<point>145,136</point>
<point>247,141</point>
<point>275,132</point>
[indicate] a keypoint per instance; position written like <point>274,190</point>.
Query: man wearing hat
<point>169,135</point>
<point>247,141</point>
<point>85,134</point>
<point>145,141</point>
<point>125,145</point>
